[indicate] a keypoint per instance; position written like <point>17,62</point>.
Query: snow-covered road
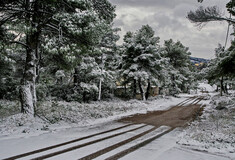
<point>164,147</point>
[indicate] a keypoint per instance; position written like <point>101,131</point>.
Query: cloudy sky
<point>168,19</point>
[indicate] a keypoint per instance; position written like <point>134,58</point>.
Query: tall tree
<point>141,59</point>
<point>179,66</point>
<point>108,59</point>
<point>72,24</point>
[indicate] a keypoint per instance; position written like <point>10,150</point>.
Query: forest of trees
<point>67,50</point>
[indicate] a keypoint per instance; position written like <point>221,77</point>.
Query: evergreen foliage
<point>141,60</point>
<point>65,28</point>
<point>179,67</point>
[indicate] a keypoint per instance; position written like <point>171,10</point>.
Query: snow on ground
<point>206,87</point>
<point>214,131</point>
<point>166,148</point>
<point>57,115</point>
<point>203,89</point>
<point>14,146</point>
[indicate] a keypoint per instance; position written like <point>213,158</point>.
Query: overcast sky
<point>168,19</point>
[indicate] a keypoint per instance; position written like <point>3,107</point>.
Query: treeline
<point>67,50</point>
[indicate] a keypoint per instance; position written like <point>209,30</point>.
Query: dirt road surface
<point>178,116</point>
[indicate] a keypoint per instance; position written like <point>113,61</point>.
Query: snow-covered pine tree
<point>108,61</point>
<point>141,60</point>
<point>6,65</point>
<point>224,66</point>
<point>220,70</point>
<point>103,60</point>
<point>89,74</point>
<point>72,23</point>
<point>179,66</point>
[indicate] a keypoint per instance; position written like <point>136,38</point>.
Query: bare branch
<point>18,42</point>
<point>52,27</point>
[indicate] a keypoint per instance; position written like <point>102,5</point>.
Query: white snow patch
<point>214,131</point>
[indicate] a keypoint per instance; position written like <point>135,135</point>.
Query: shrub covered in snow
<point>74,112</point>
<point>223,102</point>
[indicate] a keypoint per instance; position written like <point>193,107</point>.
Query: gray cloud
<point>168,19</point>
<point>151,3</point>
<point>166,3</point>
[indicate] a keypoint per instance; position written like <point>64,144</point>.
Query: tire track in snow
<point>84,144</point>
<point>137,146</point>
<point>199,100</point>
<point>195,101</point>
<point>185,101</point>
<point>65,143</point>
<point>112,147</point>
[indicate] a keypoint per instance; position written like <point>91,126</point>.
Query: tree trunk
<point>141,90</point>
<point>84,97</point>
<point>134,88</point>
<point>28,88</point>
<point>39,58</point>
<point>217,88</point>
<point>225,88</point>
<point>100,84</point>
<point>28,96</point>
<point>221,86</point>
<point>148,90</point>
<point>26,99</point>
<point>173,90</point>
<point>75,76</point>
<point>100,89</point>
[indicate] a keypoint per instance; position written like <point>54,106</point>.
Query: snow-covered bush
<point>42,91</point>
<point>222,102</point>
<point>66,92</point>
<point>75,112</point>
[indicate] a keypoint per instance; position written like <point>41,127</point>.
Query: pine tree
<point>179,66</point>
<point>73,25</point>
<point>141,60</point>
<point>221,68</point>
<point>108,60</point>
